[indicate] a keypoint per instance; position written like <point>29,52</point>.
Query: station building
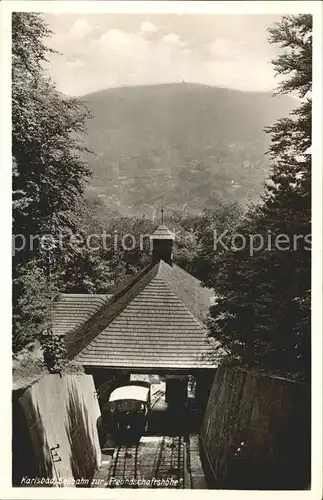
<point>156,323</point>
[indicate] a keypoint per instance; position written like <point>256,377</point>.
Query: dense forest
<point>262,311</point>
<point>190,143</point>
<point>263,314</point>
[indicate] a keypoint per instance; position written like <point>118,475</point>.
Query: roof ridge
<point>125,284</point>
<point>202,325</point>
<point>88,331</point>
<point>174,275</point>
<point>190,275</point>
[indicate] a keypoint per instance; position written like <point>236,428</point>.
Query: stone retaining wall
<point>256,432</point>
<point>55,438</point>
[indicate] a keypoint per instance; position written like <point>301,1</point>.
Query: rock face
<point>190,143</point>
<point>54,422</point>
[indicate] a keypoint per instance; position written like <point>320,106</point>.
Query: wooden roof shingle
<point>74,309</point>
<point>157,320</point>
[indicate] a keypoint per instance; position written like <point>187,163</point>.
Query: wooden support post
<point>176,391</point>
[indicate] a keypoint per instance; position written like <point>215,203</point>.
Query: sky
<point>101,51</point>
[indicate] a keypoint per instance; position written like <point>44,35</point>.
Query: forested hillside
<point>192,143</point>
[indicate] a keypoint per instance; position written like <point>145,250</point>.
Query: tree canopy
<point>262,313</point>
<point>49,175</point>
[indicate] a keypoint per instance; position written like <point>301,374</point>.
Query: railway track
<point>156,461</point>
<point>156,397</point>
<point>153,463</point>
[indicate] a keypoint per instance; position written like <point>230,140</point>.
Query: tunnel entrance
<point>176,391</point>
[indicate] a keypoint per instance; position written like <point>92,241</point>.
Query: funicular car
<point>127,410</point>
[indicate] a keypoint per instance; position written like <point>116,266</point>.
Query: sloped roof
<point>157,320</point>
<point>163,233</point>
<point>74,309</point>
